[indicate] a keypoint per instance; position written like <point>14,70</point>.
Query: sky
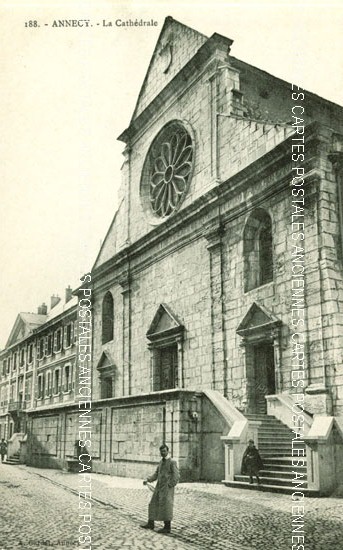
<point>66,94</point>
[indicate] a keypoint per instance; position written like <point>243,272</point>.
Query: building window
<point>167,170</point>
<point>107,318</point>
<point>68,332</point>
<point>41,348</point>
<point>40,386</point>
<point>57,381</point>
<point>258,250</point>
<point>165,368</point>
<point>15,361</point>
<point>48,384</point>
<point>67,384</point>
<point>30,354</point>
<point>107,387</point>
<point>58,339</point>
<point>22,357</point>
<point>8,365</point>
<point>4,367</point>
<point>266,252</point>
<point>166,334</point>
<point>49,345</point>
<point>107,374</point>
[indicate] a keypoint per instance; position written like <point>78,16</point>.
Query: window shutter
<point>75,331</point>
<point>55,340</point>
<point>65,343</point>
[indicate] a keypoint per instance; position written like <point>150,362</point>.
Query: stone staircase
<point>275,447</point>
<point>13,460</point>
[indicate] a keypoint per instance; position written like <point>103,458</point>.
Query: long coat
<point>251,462</point>
<point>162,501</point>
<point>3,447</point>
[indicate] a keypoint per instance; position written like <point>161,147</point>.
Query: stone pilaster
<point>213,234</point>
<point>125,282</point>
<point>337,163</point>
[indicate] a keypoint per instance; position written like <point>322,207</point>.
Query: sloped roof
<point>33,319</point>
<point>115,238</point>
<point>27,322</point>
<point>61,307</point>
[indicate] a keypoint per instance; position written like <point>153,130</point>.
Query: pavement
<point>40,508</point>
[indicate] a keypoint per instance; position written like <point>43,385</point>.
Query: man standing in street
<point>162,501</point>
<point>3,449</point>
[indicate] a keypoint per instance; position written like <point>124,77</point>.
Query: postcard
<point>171,334</point>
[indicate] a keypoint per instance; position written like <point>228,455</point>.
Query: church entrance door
<point>264,369</point>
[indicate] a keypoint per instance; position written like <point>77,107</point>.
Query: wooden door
<point>264,367</point>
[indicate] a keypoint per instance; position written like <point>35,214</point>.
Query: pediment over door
<point>165,326</point>
<point>105,363</point>
<point>258,321</point>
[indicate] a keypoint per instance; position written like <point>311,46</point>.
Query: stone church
<point>193,293</point>
<point>196,312</point>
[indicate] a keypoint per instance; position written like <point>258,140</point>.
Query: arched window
<point>107,318</point>
<point>266,252</point>
<point>258,250</point>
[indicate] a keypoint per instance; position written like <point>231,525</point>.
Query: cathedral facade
<point>217,294</point>
<point>219,284</point>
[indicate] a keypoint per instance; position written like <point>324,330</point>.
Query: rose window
<point>170,164</point>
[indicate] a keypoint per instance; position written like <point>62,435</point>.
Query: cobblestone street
<point>39,509</point>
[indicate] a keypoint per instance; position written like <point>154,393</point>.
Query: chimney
<point>43,309</point>
<point>54,300</point>
<point>69,294</point>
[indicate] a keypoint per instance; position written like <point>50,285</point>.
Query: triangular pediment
<point>176,45</point>
<point>105,361</point>
<point>18,331</point>
<point>164,321</point>
<point>257,318</point>
<point>24,325</point>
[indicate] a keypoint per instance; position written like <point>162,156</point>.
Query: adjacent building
<point>38,374</point>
